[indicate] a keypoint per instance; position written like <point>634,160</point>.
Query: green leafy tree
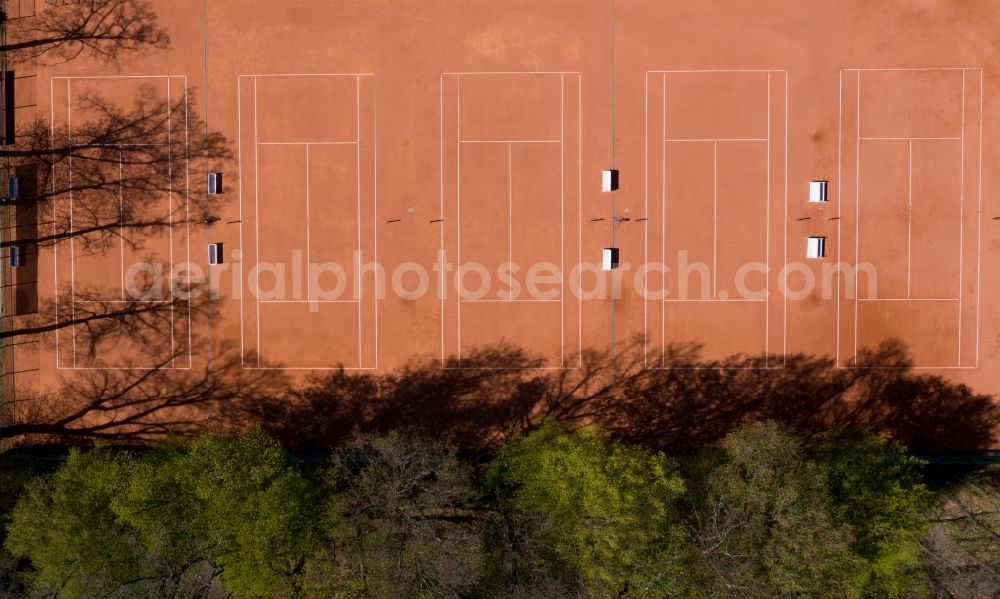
<point>760,515</point>
<point>592,513</point>
<point>16,472</point>
<point>65,526</point>
<point>881,493</point>
<point>232,500</point>
<point>174,522</point>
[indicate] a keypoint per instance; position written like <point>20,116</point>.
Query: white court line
<point>914,367</point>
<point>510,141</point>
<point>721,367</point>
<point>708,301</point>
<point>720,71</point>
<point>122,77</point>
<point>55,246</point>
<point>458,202</point>
<point>509,301</point>
<point>357,148</point>
<point>358,213</point>
<point>72,285</point>
<point>562,218</point>
<point>909,218</point>
<point>579,212</point>
<point>127,301</point>
<point>441,278</point>
<point>716,139</point>
<point>840,129</point>
<point>187,224</point>
<point>307,143</point>
<point>510,208</point>
<point>961,139</point>
<point>909,299</point>
<point>505,368</point>
<point>351,368</point>
<point>90,145</point>
<point>904,138</point>
<point>375,298</point>
<point>715,219</point>
<point>308,232</point>
<point>663,210</point>
<point>916,69</point>
<point>309,301</point>
<point>767,235</point>
<point>256,75</point>
<point>979,213</point>
<point>121,218</point>
<point>784,321</point>
<point>510,73</point>
<point>256,213</point>
<point>129,368</point>
<point>857,211</point>
<point>170,220</point>
<point>961,222</point>
<point>645,212</point>
<point>239,170</point>
<point>72,251</point>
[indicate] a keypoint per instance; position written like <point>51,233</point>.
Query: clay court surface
<point>396,132</point>
<point>91,271</point>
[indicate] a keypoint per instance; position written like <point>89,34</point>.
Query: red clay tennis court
<point>382,157</point>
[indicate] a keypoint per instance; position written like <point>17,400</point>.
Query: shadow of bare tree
<point>116,181</point>
<point>689,402</point>
<point>126,173</point>
<point>136,405</point>
<point>121,167</point>
<point>125,165</point>
<point>102,29</point>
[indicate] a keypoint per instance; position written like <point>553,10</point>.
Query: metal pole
<point>613,345</point>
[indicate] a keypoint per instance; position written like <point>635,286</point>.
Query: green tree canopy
<point>65,526</point>
<point>596,513</point>
<point>109,523</point>
<point>557,513</point>
<point>761,517</point>
<point>882,497</point>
